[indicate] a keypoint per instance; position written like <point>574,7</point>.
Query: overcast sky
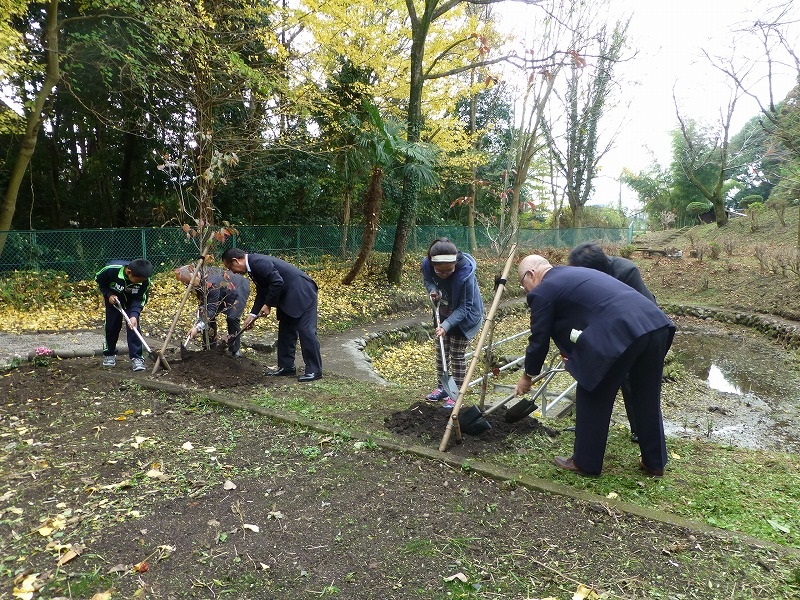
<point>668,38</point>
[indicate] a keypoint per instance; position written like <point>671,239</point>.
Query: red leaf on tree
<point>461,200</point>
<point>577,58</point>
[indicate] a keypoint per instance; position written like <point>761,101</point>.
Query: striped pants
<point>455,345</point>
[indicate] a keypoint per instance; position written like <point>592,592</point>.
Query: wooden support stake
<point>487,326</point>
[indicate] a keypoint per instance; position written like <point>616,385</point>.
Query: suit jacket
<point>627,272</point>
<point>281,286</point>
<point>609,315</point>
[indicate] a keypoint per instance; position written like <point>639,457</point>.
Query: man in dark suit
<point>592,256</point>
<point>294,295</point>
<point>604,330</point>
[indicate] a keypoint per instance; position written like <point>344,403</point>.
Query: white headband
<point>443,258</point>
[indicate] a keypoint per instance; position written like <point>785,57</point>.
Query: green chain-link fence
<point>80,253</point>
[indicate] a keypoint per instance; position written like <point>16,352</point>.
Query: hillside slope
<point>753,271</point>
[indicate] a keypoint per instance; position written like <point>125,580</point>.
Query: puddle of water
<point>716,381</point>
<point>753,394</point>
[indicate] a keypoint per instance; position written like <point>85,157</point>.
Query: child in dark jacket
<point>126,283</point>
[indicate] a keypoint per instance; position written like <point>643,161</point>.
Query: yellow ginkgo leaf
<point>27,587</point>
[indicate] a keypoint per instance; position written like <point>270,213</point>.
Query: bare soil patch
<point>427,422</point>
<point>212,369</point>
<point>167,496</point>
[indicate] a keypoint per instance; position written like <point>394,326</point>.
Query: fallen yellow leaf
<point>26,588</point>
<point>70,554</point>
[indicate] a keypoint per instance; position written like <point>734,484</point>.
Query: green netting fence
<point>80,253</point>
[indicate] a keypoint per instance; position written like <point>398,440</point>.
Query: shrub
<point>627,250</point>
<point>714,250</point>
<point>26,290</point>
<point>729,243</point>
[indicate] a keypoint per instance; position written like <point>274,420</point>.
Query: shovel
<point>184,347</point>
<point>135,330</point>
<point>225,341</point>
<point>473,421</point>
<point>447,382</point>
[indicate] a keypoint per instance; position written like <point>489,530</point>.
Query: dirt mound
<point>429,421</point>
<point>213,369</point>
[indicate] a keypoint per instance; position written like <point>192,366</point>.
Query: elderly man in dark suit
<point>604,330</point>
<point>294,295</point>
<point>218,292</point>
<point>592,256</point>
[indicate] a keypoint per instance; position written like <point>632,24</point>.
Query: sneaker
<point>449,403</point>
<point>109,361</point>
<point>436,395</point>
<point>137,364</point>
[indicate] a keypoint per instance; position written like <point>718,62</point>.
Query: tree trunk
<point>57,217</point>
<point>34,120</point>
<point>473,186</point>
<point>408,205</point>
<point>126,177</point>
<point>372,208</point>
<point>345,222</point>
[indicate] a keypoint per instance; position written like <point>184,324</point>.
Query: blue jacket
<point>609,314</point>
<point>461,291</point>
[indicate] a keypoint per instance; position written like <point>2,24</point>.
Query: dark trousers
<point>114,323</point>
<point>643,363</point>
<point>630,403</point>
<point>234,326</point>
<point>303,327</point>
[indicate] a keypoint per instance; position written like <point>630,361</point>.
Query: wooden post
<point>487,326</point>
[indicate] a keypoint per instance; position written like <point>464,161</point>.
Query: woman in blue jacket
<point>449,277</point>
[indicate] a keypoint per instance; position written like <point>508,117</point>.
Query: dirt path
<point>341,352</point>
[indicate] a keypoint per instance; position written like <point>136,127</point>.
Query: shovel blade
<point>520,410</point>
<point>449,385</point>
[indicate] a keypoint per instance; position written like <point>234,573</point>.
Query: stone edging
<point>785,332</point>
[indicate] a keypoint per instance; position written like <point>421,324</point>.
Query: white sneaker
<point>109,361</point>
<point>137,364</point>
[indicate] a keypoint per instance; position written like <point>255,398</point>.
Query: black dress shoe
<point>569,465</point>
<point>282,372</point>
<point>651,472</point>
<point>310,377</point>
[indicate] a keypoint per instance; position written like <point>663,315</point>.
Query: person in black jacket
<point>604,330</point>
<point>592,256</point>
<point>294,296</point>
<point>127,283</point>
<point>218,292</point>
